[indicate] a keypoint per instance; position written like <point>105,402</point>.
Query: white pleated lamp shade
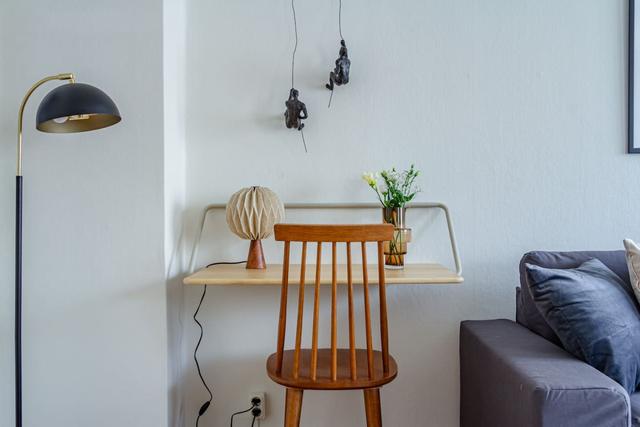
<point>252,212</point>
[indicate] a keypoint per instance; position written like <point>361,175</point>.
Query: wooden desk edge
<point>221,282</point>
<point>441,276</point>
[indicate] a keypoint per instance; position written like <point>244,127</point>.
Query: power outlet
<point>259,395</point>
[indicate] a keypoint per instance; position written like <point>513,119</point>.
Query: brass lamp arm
<point>64,76</point>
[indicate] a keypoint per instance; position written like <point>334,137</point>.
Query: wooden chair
<point>332,368</point>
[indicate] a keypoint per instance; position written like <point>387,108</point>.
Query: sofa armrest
<point>510,376</point>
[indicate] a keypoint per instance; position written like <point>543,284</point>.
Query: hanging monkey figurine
<point>340,75</point>
<point>296,111</point>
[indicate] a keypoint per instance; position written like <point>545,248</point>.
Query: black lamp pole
<point>18,309</point>
<point>69,108</point>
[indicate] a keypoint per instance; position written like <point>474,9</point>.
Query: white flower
<point>370,178</point>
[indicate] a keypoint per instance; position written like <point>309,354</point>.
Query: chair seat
<point>323,378</point>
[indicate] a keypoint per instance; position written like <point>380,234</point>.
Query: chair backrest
<point>333,234</point>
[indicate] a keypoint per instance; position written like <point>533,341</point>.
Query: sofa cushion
<point>633,263</point>
<point>595,315</point>
<point>527,313</point>
<point>512,377</point>
<point>635,409</point>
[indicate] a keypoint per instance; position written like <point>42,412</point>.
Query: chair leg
<point>372,407</point>
<point>293,407</point>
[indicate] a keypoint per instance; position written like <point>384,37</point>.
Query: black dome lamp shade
<point>76,107</point>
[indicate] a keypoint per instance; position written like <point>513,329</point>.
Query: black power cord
<point>255,412</point>
<point>206,404</point>
<point>253,406</point>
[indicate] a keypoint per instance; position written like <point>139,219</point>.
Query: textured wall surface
<point>514,110</point>
<point>95,317</point>
<point>174,39</point>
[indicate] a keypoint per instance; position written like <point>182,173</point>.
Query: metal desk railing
<point>321,206</point>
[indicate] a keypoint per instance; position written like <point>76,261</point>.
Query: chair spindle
<point>282,323</point>
<point>367,310</point>
<point>384,332</point>
<point>303,266</point>
<point>352,333</point>
<point>334,314</point>
<point>316,314</point>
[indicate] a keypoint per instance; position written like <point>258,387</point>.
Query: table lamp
<point>74,107</point>
<point>251,214</point>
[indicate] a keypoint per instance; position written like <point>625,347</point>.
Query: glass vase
<point>396,249</point>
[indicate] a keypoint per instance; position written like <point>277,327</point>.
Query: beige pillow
<point>633,263</point>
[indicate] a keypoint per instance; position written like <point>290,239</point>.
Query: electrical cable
<point>303,141</point>
<point>295,48</point>
<point>206,405</point>
<point>293,61</point>
<point>340,20</point>
<point>241,412</point>
<point>341,39</point>
<point>213,264</point>
<point>253,421</point>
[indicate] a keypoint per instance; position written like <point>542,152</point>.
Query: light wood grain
<point>372,407</point>
<point>237,275</point>
<point>282,321</point>
<point>293,407</point>
<point>324,380</point>
<point>352,322</point>
<point>316,313</point>
<point>334,313</point>
<point>333,233</point>
<point>303,263</point>
<point>367,311</point>
<point>384,329</point>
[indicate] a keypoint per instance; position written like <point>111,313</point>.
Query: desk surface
<point>238,275</point>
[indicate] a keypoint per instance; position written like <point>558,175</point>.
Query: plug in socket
<point>262,405</point>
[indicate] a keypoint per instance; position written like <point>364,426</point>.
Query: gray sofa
<point>517,374</point>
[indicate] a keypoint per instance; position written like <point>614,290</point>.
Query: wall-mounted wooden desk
<point>420,274</point>
<point>238,275</point>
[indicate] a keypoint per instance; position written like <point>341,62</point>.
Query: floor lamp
<point>74,107</point>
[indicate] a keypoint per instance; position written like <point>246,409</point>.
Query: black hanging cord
<point>253,421</point>
<point>341,38</point>
<point>295,48</point>
<point>303,141</point>
<point>206,404</point>
<point>293,61</point>
<point>226,263</point>
<point>340,20</point>
<point>241,412</point>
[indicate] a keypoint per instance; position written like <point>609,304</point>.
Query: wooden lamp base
<point>255,259</point>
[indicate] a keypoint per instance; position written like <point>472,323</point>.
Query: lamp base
<point>255,259</point>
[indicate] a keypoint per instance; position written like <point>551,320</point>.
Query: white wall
<point>174,63</point>
<point>95,317</point>
<point>514,110</point>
